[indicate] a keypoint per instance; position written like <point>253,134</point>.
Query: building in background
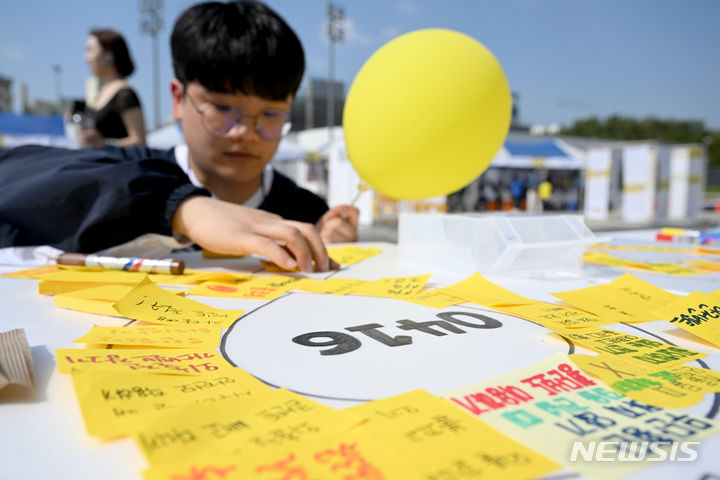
<point>310,107</point>
<point>38,106</point>
<point>5,94</point>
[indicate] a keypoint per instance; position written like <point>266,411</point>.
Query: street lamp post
<point>58,84</point>
<point>335,33</point>
<point>151,25</point>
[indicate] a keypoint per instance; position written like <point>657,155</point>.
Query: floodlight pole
<point>151,25</point>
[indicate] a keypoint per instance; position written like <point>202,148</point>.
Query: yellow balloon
<point>426,114</point>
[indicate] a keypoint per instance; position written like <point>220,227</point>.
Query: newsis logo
<point>634,451</point>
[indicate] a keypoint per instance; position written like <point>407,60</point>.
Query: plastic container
<point>494,242</point>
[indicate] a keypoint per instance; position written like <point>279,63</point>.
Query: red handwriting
<point>205,473</point>
<point>553,382</point>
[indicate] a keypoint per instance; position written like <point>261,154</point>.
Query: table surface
<point>46,437</point>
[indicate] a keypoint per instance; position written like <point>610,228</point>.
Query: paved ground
<point>706,219</point>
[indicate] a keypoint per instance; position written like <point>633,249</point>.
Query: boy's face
<point>237,159</point>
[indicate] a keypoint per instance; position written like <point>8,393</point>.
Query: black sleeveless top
<point>108,119</point>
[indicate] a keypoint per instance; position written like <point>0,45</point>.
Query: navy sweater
<point>88,200</point>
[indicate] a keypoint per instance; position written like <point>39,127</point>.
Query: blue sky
<point>566,59</point>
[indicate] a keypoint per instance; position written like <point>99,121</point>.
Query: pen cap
<point>177,267</point>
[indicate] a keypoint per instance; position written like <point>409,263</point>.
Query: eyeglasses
<point>225,121</point>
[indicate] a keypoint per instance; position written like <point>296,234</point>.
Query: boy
<point>237,67</point>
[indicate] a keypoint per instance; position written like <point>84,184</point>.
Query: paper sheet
<point>559,411</point>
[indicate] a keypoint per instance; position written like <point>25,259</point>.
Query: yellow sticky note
<point>98,300</point>
<point>270,421</point>
<point>640,291</point>
<point>631,348</point>
<point>341,456</point>
<point>333,286</point>
<point>433,298</point>
<point>152,304</point>
<point>352,254</point>
<point>104,293</point>
<point>96,276</point>
<point>261,287</point>
<point>196,277</point>
<point>698,313</point>
<point>712,266</point>
<point>553,406</point>
<point>704,379</point>
<point>555,317</point>
<point>674,269</point>
<point>477,289</point>
<point>275,268</point>
<point>67,280</point>
<point>116,404</point>
<point>637,382</point>
<point>87,305</point>
<point>707,250</point>
<point>604,302</point>
<point>439,437</point>
<point>175,361</point>
<point>601,258</point>
<point>32,273</point>
<point>161,336</point>
<point>393,287</point>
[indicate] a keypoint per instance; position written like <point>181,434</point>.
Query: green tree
<point>618,127</point>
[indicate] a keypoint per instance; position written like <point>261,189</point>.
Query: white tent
<point>548,154</point>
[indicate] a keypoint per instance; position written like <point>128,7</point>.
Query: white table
<point>46,438</point>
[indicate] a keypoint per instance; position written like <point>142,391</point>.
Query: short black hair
<point>237,46</point>
<point>114,43</point>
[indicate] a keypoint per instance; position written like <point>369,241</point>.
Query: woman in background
<point>116,114</point>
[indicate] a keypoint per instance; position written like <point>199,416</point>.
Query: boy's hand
<point>339,224</point>
<point>227,228</point>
